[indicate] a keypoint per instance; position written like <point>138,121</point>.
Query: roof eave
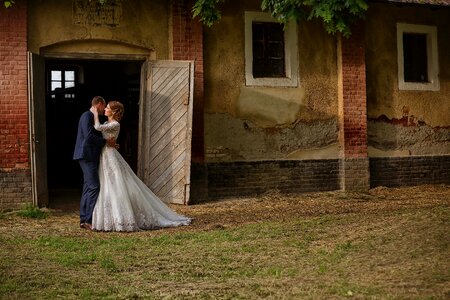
<point>408,3</point>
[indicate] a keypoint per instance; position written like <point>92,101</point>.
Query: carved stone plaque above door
<point>93,13</point>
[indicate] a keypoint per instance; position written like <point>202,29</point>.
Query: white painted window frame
<point>432,59</point>
<point>290,48</point>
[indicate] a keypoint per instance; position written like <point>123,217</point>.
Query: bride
<point>125,203</point>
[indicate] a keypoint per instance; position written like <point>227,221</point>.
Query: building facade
<point>293,109</point>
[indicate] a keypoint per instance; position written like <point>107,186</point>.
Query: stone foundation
<point>354,174</point>
<point>15,187</point>
<point>409,171</point>
<point>240,179</point>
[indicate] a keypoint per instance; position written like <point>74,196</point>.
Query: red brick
<point>188,45</point>
<point>13,86</point>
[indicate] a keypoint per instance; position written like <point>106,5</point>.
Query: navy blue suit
<point>88,147</point>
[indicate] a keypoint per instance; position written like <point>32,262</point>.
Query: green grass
<point>398,255</point>
<point>31,211</point>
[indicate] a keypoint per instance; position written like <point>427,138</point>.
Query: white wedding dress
<point>125,203</point>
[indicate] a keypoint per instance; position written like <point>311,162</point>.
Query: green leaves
<point>336,15</point>
<point>286,10</point>
<point>9,3</point>
<point>207,11</point>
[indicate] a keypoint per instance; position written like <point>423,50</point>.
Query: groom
<point>88,147</point>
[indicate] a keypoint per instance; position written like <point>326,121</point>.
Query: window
<point>60,81</point>
<point>271,57</point>
<point>268,50</point>
<point>417,57</point>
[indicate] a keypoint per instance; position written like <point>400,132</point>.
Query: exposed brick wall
<point>354,173</point>
<point>240,179</point>
<point>15,188</point>
<point>13,88</point>
<point>354,94</point>
<point>15,178</point>
<point>353,111</point>
<point>199,183</point>
<point>187,35</point>
<point>409,171</point>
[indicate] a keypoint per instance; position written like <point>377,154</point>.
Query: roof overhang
<point>428,3</point>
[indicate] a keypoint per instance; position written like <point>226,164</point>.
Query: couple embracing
<point>113,197</point>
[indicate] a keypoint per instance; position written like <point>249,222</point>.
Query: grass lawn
<point>384,244</point>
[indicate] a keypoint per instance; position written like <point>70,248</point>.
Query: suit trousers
<point>91,189</point>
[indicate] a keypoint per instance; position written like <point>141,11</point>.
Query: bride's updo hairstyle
<point>117,110</point>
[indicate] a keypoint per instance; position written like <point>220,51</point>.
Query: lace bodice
<point>109,129</point>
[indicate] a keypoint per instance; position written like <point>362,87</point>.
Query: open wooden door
<point>165,121</point>
<point>37,123</point>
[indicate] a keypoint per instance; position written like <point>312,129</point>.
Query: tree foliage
<point>335,15</point>
<point>207,11</point>
<point>8,3</point>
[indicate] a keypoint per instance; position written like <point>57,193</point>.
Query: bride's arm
<point>107,126</point>
<point>97,125</point>
<point>96,119</point>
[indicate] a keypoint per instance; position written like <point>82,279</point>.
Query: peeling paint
<point>231,139</point>
<point>406,136</point>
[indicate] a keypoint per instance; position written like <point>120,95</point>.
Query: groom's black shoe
<point>82,225</point>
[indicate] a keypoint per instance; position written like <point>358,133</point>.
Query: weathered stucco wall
<point>402,123</point>
<point>244,123</point>
<point>132,27</point>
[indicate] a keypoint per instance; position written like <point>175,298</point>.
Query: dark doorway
<point>70,87</point>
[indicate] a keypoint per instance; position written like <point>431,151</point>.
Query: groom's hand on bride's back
<point>112,143</point>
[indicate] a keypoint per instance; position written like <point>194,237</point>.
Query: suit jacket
<point>89,142</point>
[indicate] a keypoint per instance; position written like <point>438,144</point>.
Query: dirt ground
<point>386,243</point>
<point>277,207</point>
